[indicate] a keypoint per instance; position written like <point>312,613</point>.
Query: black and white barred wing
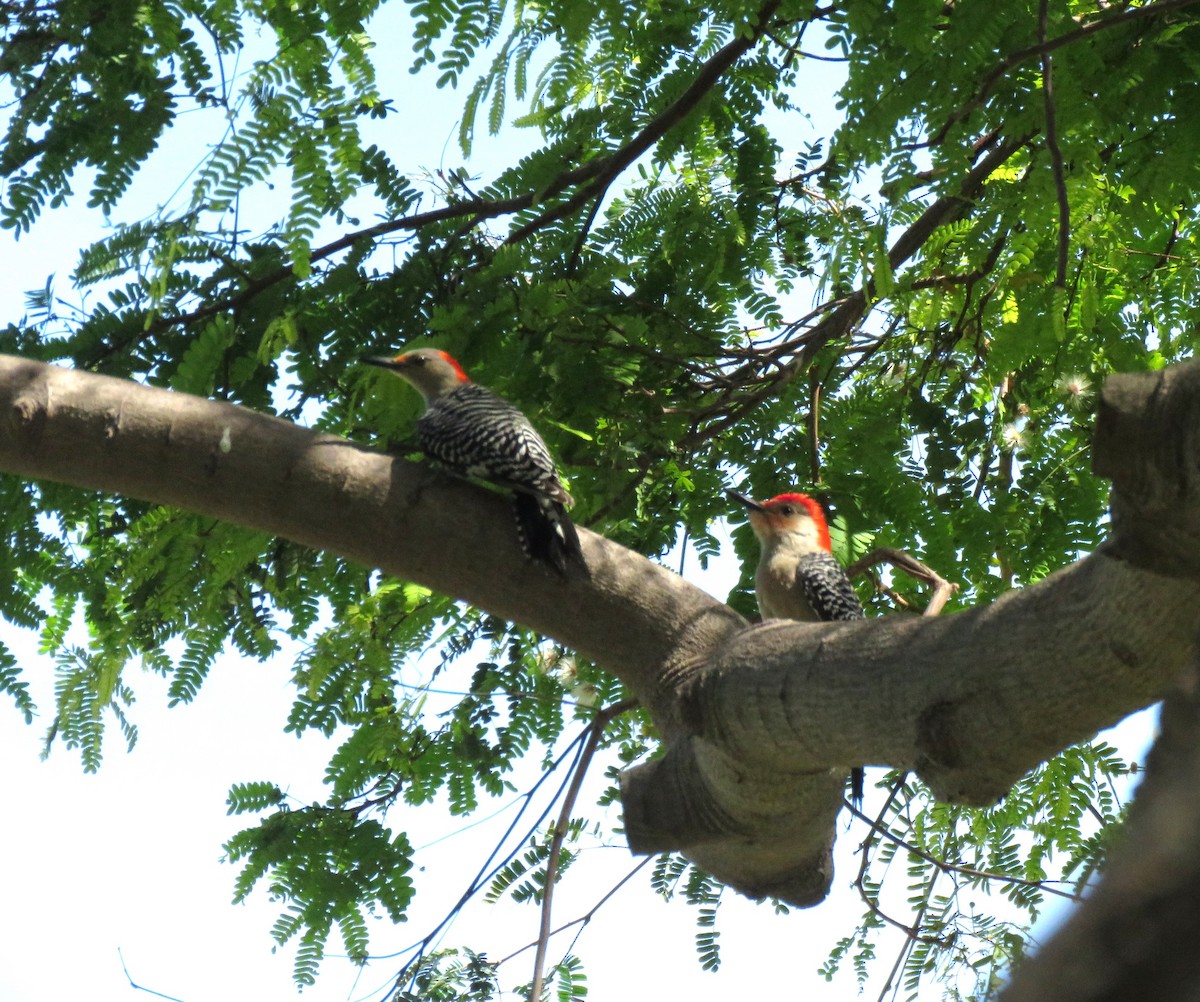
<point>476,433</point>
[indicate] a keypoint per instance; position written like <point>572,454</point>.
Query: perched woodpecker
<point>798,576</point>
<point>475,433</point>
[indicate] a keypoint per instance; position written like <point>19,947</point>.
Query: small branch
<point>587,916</point>
<point>907,946</point>
<point>953,207</point>
<point>577,250</point>
<point>792,49</point>
<point>1056,157</point>
<point>814,430</point>
<point>609,168</point>
<point>594,176</point>
<point>942,589</point>
<point>884,832</point>
<point>1165,256</point>
<point>480,209</point>
<point>594,191</point>
<point>485,874</point>
<point>141,988</point>
<point>1124,16</point>
<point>840,316</point>
<point>560,832</point>
<point>911,931</point>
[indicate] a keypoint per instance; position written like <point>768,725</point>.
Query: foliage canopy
<point>687,281</point>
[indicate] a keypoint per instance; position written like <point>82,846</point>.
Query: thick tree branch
<point>759,724</point>
<point>1135,936</point>
<point>1148,444</point>
<point>325,492</point>
<point>969,702</point>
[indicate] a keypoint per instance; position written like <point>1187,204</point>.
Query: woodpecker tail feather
<point>858,777</point>
<point>546,531</point>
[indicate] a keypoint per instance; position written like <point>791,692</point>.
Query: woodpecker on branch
<point>475,433</point>
<point>798,576</point>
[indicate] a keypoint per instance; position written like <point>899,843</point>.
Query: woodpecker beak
<point>742,499</point>
<point>379,360</point>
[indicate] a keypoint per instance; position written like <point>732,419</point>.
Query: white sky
<point>130,859</point>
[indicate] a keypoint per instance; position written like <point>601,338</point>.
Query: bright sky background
<point>129,859</point>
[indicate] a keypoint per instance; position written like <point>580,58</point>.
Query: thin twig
<point>479,209</point>
<point>967,871</point>
<point>484,874</point>
<point>907,946</point>
<point>913,931</point>
<point>587,916</point>
<point>900,958</point>
<point>611,167</point>
<point>577,250</point>
<point>141,988</point>
<point>1166,256</point>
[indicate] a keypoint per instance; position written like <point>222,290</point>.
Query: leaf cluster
<point>327,867</point>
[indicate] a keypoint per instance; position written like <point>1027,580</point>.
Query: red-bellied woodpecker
<point>475,433</point>
<point>798,577</point>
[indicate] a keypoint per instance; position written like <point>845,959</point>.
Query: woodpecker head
<point>787,517</point>
<point>434,373</point>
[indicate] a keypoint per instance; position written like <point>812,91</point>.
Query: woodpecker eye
<point>417,360</point>
<point>787,509</point>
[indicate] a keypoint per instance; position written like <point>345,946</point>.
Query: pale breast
<point>779,596</point>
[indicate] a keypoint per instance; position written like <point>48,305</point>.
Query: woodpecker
<point>473,432</point>
<point>798,576</point>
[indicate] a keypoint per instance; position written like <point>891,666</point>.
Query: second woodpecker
<point>798,576</point>
<point>474,432</point>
